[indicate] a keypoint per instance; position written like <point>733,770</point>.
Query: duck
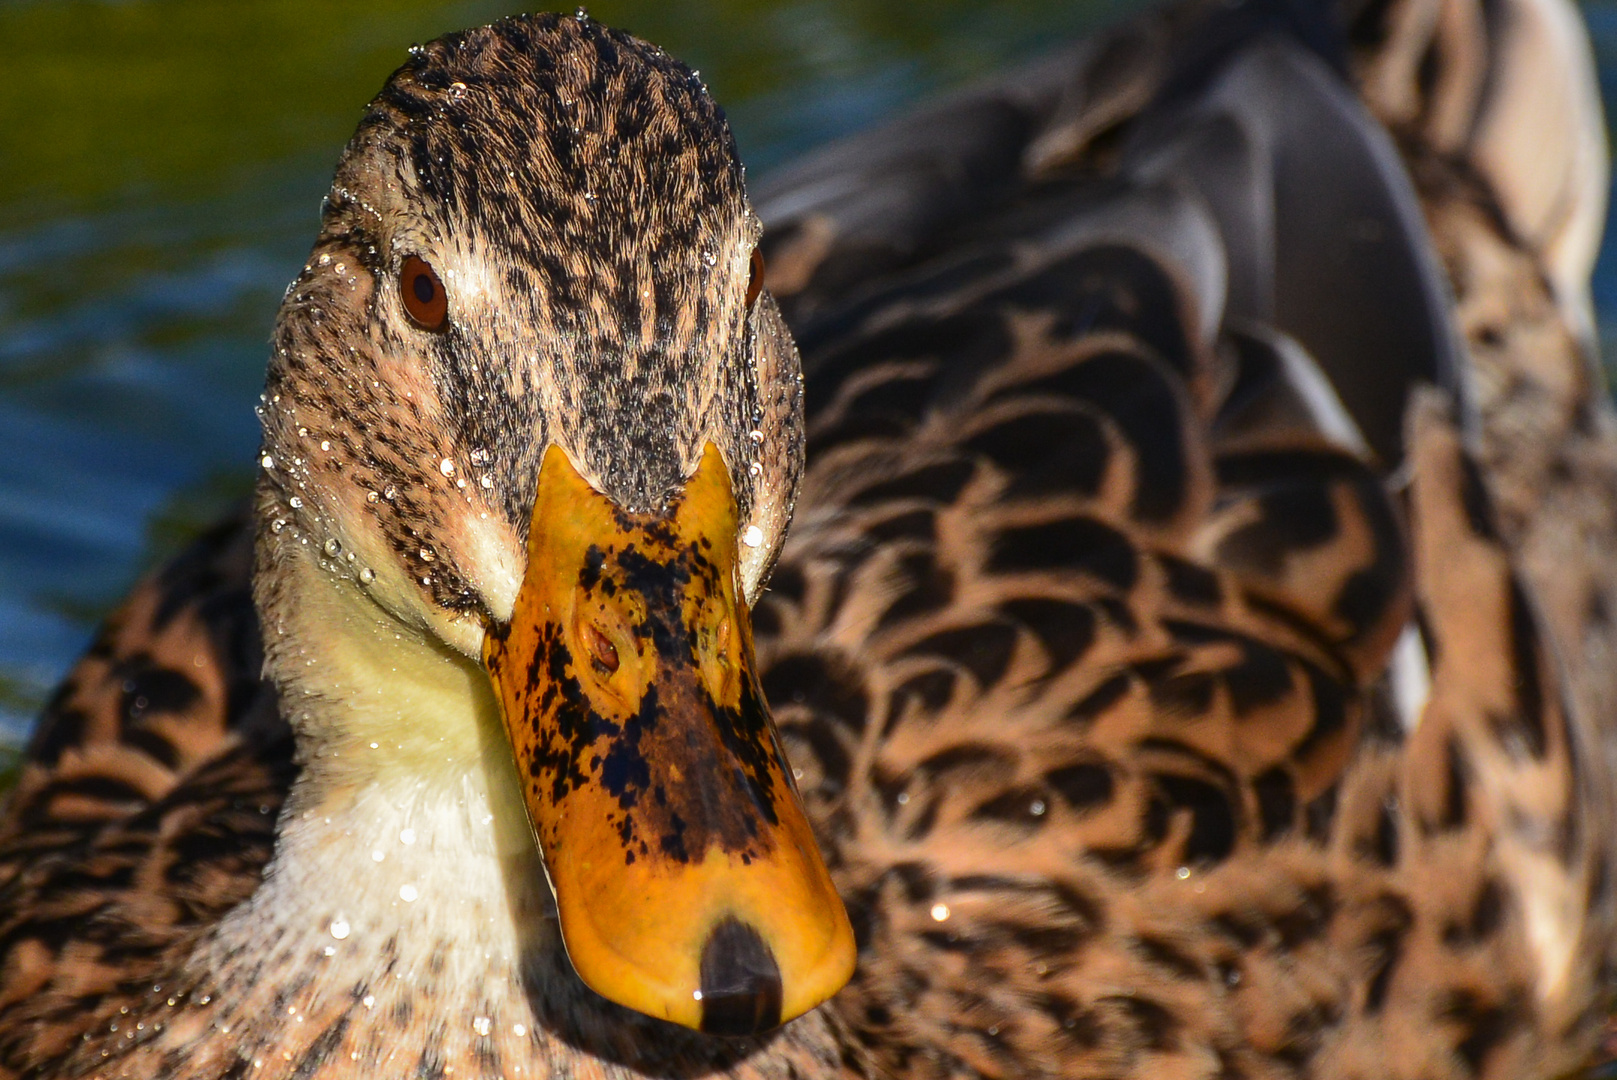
<point>1106,575</point>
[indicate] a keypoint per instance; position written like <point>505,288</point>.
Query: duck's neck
<point>406,894</point>
<point>407,799</point>
<point>404,864</point>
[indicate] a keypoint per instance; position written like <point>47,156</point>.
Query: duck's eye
<point>423,294</point>
<point>755,283</point>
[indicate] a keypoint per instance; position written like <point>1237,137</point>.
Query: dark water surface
<point>161,168</point>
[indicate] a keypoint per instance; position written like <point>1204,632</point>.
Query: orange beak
<point>687,880</point>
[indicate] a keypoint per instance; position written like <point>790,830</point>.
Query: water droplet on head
<point>446,467</point>
<point>408,893</point>
<point>753,536</point>
<point>295,502</point>
<point>267,461</point>
<point>755,435</point>
<point>339,928</point>
<point>333,548</point>
<point>371,496</point>
<point>366,576</point>
<point>940,912</point>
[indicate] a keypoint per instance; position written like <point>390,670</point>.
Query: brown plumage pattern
<point>1194,637</point>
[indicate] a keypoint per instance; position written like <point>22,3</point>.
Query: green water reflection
<point>174,98</point>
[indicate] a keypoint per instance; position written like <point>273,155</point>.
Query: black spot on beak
<point>741,990</point>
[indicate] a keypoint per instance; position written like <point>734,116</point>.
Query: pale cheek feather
<point>491,557</point>
<point>427,706</point>
<point>488,554</point>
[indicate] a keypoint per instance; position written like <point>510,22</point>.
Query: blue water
<point>1601,19</point>
<point>161,171</point>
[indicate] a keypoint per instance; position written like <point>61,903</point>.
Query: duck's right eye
<point>423,294</point>
<point>755,282</point>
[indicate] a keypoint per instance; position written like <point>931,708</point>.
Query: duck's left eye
<point>755,284</point>
<point>423,294</point>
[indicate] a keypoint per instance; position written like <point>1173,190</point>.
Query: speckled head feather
<point>579,194</point>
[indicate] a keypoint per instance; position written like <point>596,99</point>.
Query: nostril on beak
<point>603,654</point>
<point>741,992</point>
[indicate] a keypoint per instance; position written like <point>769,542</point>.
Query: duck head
<point>529,405</point>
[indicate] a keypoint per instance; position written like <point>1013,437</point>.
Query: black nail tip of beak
<point>741,990</point>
